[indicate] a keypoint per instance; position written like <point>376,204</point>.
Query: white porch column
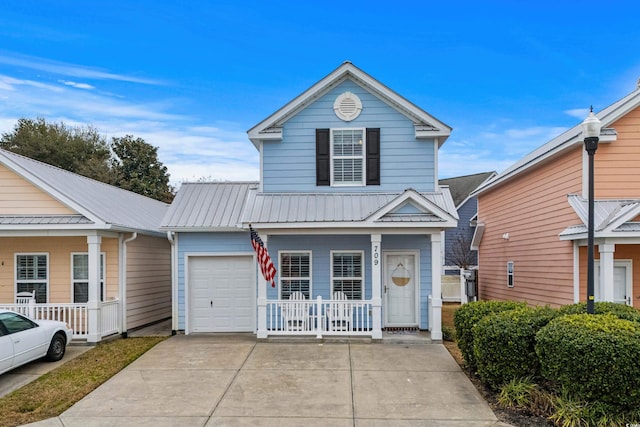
<point>262,298</point>
<point>606,271</point>
<point>93,303</point>
<point>436,287</point>
<point>376,286</point>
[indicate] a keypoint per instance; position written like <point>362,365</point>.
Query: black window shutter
<point>323,157</point>
<point>373,156</point>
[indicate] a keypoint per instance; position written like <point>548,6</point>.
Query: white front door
<point>400,287</point>
<point>622,282</point>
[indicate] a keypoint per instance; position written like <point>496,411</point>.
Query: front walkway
<point>207,380</point>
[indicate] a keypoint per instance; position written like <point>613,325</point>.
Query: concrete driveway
<point>204,380</point>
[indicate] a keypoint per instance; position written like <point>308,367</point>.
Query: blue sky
<point>192,77</point>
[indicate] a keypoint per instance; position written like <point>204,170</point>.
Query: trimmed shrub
<point>504,344</point>
<point>621,311</point>
<point>592,358</point>
<point>468,315</point>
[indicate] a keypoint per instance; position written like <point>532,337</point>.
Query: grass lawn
<point>58,390</point>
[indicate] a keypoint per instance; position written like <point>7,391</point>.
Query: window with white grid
<point>295,273</point>
<point>32,275</point>
<point>347,273</point>
<point>80,277</point>
<point>347,156</point>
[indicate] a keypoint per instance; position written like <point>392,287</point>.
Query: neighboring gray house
<point>349,207</point>
<point>457,241</point>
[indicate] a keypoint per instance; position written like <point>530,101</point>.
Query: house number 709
<point>376,255</point>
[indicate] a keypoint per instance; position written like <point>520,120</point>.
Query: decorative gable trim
<point>420,203</point>
<point>427,126</point>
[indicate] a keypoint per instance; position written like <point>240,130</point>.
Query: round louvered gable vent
<point>347,106</point>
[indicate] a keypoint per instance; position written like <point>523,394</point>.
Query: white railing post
<point>376,283</point>
<point>32,308</point>
<point>436,288</point>
<point>319,317</point>
<point>93,304</point>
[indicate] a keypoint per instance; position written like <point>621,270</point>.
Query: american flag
<point>264,260</point>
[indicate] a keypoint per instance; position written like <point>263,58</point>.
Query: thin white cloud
<point>72,70</point>
<point>8,83</point>
<point>77,85</point>
<point>578,113</point>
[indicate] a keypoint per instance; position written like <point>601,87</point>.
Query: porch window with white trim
<point>295,273</point>
<point>80,277</point>
<point>347,156</point>
<point>32,275</point>
<point>347,274</point>
<point>510,274</point>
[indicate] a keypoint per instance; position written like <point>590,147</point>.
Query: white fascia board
<point>304,229</point>
<point>418,199</point>
<point>52,191</point>
<point>328,226</point>
<point>477,236</point>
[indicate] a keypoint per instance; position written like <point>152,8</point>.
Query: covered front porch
<point>340,285</point>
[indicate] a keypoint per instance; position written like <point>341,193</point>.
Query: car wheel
<point>56,348</point>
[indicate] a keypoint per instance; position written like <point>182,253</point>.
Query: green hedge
<point>592,357</point>
<point>468,315</point>
<point>504,344</point>
<point>621,311</point>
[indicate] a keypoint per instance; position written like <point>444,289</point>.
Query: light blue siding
<point>289,165</point>
<point>320,247</point>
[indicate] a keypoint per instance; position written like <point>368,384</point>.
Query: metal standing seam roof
<point>208,206</point>
<point>336,207</point>
<point>43,219</point>
<point>606,213</point>
<point>93,199</point>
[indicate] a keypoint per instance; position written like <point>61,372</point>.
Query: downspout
<point>174,282</point>
<point>123,277</point>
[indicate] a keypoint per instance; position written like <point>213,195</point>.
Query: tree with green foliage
<point>139,170</point>
<point>81,150</point>
<point>128,162</point>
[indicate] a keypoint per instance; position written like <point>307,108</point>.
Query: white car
<point>23,340</point>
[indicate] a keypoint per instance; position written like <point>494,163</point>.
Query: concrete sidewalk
<point>206,380</point>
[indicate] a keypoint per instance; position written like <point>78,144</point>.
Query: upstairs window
<point>347,157</point>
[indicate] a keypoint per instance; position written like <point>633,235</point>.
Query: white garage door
<point>222,297</point>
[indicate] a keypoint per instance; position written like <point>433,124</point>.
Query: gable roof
<point>462,186</point>
<point>97,203</point>
<point>426,126</point>
<point>208,206</point>
<point>568,140</point>
<point>611,217</point>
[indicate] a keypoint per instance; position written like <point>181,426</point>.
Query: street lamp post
<point>591,133</point>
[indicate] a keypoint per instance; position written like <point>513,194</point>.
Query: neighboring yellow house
<point>532,232</point>
<point>90,254</point>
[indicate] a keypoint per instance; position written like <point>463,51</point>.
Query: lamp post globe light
<point>591,134</point>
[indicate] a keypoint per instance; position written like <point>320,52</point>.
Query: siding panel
<point>148,280</point>
<point>533,209</point>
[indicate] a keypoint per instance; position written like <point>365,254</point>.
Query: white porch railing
<point>319,317</point>
<point>74,315</point>
<point>110,321</point>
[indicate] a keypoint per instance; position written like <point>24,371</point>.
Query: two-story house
<point>349,207</point>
